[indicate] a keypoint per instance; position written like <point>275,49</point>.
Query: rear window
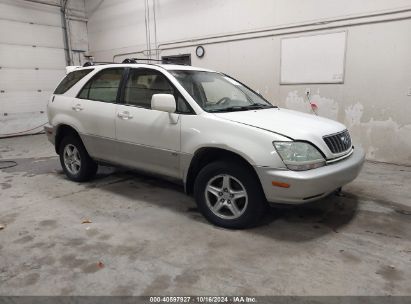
<point>70,80</point>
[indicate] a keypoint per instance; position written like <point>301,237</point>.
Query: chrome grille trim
<point>334,160</point>
<point>338,142</point>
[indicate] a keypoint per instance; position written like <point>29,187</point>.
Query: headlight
<point>299,156</point>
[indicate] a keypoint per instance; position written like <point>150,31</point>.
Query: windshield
<point>216,92</point>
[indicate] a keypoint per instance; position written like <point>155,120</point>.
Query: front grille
<point>338,142</point>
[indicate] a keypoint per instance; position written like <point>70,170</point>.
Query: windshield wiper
<point>242,108</point>
<point>260,106</point>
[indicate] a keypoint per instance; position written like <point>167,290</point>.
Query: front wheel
<point>229,195</point>
<point>75,161</point>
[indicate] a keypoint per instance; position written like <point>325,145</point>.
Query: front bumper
<point>310,185</point>
<point>51,133</point>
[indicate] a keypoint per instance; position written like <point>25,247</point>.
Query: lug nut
<point>225,190</point>
<point>229,202</point>
<point>220,193</point>
<point>231,195</point>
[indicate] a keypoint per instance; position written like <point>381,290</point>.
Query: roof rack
<point>132,60</point>
<point>91,63</point>
<point>136,60</point>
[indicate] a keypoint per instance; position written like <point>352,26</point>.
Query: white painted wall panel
<point>29,12</point>
<point>24,101</point>
<point>30,34</point>
<point>15,122</point>
<point>30,57</point>
<point>28,75</point>
<point>78,30</point>
<point>118,24</point>
<point>29,80</point>
<point>184,19</point>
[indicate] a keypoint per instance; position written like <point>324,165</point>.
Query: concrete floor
<point>150,238</point>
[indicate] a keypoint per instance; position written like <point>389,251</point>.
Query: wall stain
<point>326,107</point>
<point>383,138</point>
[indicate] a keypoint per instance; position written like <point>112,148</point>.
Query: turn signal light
<point>280,184</point>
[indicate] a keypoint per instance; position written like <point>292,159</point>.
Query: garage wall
<point>243,38</point>
<point>33,59</point>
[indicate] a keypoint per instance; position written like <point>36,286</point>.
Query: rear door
<point>148,139</point>
<point>95,110</point>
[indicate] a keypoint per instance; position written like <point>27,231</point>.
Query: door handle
<point>77,107</point>
<point>125,115</point>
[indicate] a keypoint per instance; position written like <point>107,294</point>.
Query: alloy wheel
<point>72,159</point>
<point>226,196</point>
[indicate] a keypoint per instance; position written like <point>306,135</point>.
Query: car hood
<point>293,124</point>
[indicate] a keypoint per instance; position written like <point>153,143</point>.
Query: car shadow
<point>304,222</point>
<point>292,223</point>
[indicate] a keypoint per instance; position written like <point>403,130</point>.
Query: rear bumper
<point>51,133</point>
<point>310,185</point>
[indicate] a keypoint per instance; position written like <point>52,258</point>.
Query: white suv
<point>232,149</point>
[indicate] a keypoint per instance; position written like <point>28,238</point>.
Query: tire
<point>78,166</point>
<point>229,207</point>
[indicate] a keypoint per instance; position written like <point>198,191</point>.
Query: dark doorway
<point>184,59</point>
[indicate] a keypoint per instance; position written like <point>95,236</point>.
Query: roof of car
<point>182,67</point>
<point>168,67</point>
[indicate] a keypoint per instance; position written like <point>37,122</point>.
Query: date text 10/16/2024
<point>203,299</point>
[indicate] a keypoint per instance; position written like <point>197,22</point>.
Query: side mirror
<point>163,102</point>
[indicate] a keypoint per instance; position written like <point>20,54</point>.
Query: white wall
<point>33,59</point>
<point>242,38</point>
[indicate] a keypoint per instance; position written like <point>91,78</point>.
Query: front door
<point>147,139</point>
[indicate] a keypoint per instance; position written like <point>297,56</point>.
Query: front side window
<point>142,84</point>
<point>103,86</point>
<point>70,80</point>
<point>215,92</point>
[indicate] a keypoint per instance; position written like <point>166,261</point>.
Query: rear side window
<point>103,86</point>
<point>70,80</point>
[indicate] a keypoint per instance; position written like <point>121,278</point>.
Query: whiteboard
<point>316,58</point>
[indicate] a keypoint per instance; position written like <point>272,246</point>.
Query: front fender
<point>253,144</point>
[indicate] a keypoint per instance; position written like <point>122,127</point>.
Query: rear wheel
<point>229,195</point>
<point>75,161</point>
